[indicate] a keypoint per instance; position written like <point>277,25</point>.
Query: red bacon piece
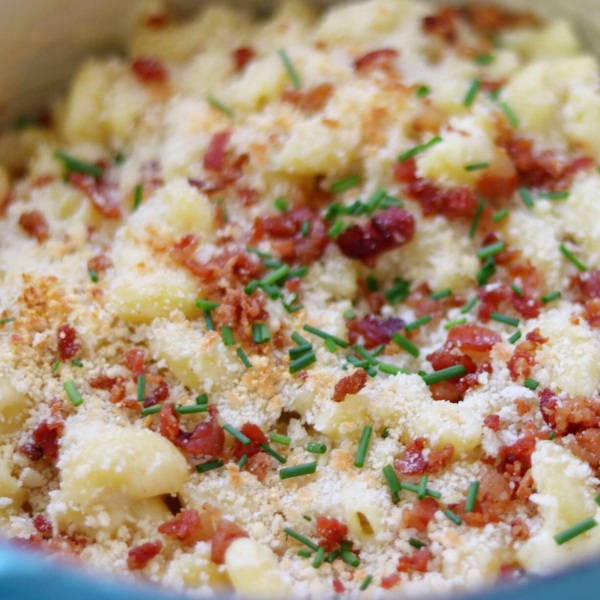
<point>473,338</point>
<point>207,439</point>
<point>493,422</point>
<point>420,513</point>
<point>99,263</point>
<point>138,557</point>
<point>34,224</point>
<point>216,153</point>
<point>443,24</point>
<point>256,436</point>
<point>134,361</point>
<point>226,533</point>
<point>149,70</point>
<point>373,330</point>
<point>414,461</point>
<point>338,586</point>
<point>169,422</point>
<point>157,395</point>
<point>189,526</point>
<point>383,59</point>
<point>67,343</point>
<point>103,198</point>
<point>516,459</point>
<point>311,100</point>
<point>349,385</point>
<point>520,363</point>
<point>241,57</point>
<point>418,562</point>
<point>331,531</point>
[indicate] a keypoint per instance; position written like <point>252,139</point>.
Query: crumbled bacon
<point>158,20</point>
<point>44,440</point>
<point>216,153</point>
<point>519,529</point>
<point>568,415</point>
<point>134,361</point>
<point>138,557</point>
<point>471,338</point>
<point>259,465</point>
<point>587,447</point>
<point>586,287</point>
<point>226,533</point>
<point>419,514</point>
<point>383,59</point>
<point>338,586</point>
<point>523,359</point>
<point>43,526</point>
<point>103,197</point>
<point>493,422</point>
<point>492,18</point>
<point>157,395</point>
<point>331,531</point>
<point>388,229</point>
<point>452,203</point>
<point>418,561</point>
<point>169,421</point>
<point>373,330</point>
<point>67,343</point>
<point>207,439</point>
<point>189,526</point>
<point>493,298</point>
<point>421,302</point>
<point>442,24</point>
<point>149,70</point>
<point>103,382</point>
<point>34,224</point>
<point>99,263</point>
<point>418,462</point>
<point>256,437</point>
<point>349,385</point>
<point>239,311</point>
<point>516,459</point>
<point>498,183</point>
<point>312,100</point>
<point>241,57</point>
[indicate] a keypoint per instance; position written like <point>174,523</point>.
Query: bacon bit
<point>442,24</point>
<point>134,361</point>
<point>349,385</point>
<point>157,395</point>
<point>587,447</point>
<point>390,581</point>
<point>388,229</point>
<point>523,359</point>
<point>516,459</point>
<point>216,153</point>
<point>189,527</point>
<point>247,196</point>
<point>498,183</point>
<point>103,198</point>
<point>207,439</point>
<point>571,415</point>
<point>259,465</point>
<point>430,119</point>
<point>522,407</point>
<point>117,393</point>
<point>157,20</point>
<point>383,60</point>
<point>226,533</point>
<point>241,57</point>
<point>332,531</point>
<point>34,224</point>
<point>310,195</point>
<point>149,70</point>
<point>169,422</point>
<point>587,291</point>
<point>419,300</point>
<point>510,572</point>
<point>138,557</point>
<point>44,439</point>
<point>493,422</point>
<point>414,461</point>
<point>311,100</point>
<point>519,529</point>
<point>492,19</point>
<point>473,338</point>
<point>375,300</point>
<point>68,346</point>
<point>454,204</point>
<point>373,330</point>
<point>285,231</point>
<point>338,586</point>
<point>239,311</point>
<point>99,263</point>
<point>103,382</point>
<point>43,526</point>
<point>417,562</point>
<point>419,514</point>
<point>257,437</point>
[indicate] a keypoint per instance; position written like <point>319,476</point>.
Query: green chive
<point>392,369</point>
<point>476,219</point>
<point>258,252</point>
<point>300,538</point>
<point>510,115</point>
<point>210,465</point>
<point>500,215</point>
<point>375,200</point>
<point>304,553</point>
<point>423,91</point>
<point>316,448</point>
<point>499,318</point>
<point>331,346</point>
<point>531,384</point>
<point>391,479</point>
<point>75,165</point>
<point>517,290</point>
<point>210,326</point>
<point>56,366</point>
<point>279,438</point>
<point>372,284</point>
<point>191,410</point>
<point>301,341</point>
<point>572,258</point>
<point>260,333</point>
<point>477,166</point>
<point>366,582</point>
<point>281,204</point>
<point>319,557</point>
<point>206,305</point>
<point>93,275</point>
<point>332,556</point>
<point>227,334</point>
<point>220,106</point>
<point>202,399</point>
<point>137,197</point>
<point>450,324</point>
<point>444,374</point>
<point>238,435</point>
<point>406,344</point>
<point>441,294</point>
<point>251,287</point>
<point>7,320</point>
<point>418,323</point>
<point>242,462</point>
<point>289,67</point>
<point>552,296</point>
<point>597,498</point>
<point>275,276</point>
<point>300,350</point>
<point>76,363</point>
<point>305,229</point>
<point>422,487</point>
<point>273,453</point>
<point>472,93</point>
<point>350,558</point>
<point>572,532</point>
<point>385,433</point>
<point>336,229</point>
<point>469,305</point>
<point>472,496</point>
<point>349,314</point>
<point>526,197</point>
<point>242,356</point>
<point>551,437</point>
<point>418,544</point>
<point>307,518</point>
<point>73,393</point>
<point>119,158</point>
<point>418,149</point>
<point>345,184</point>
<point>363,446</point>
<point>484,59</point>
<point>302,362</point>
<point>453,516</point>
<point>555,195</point>
<point>411,487</point>
<point>141,388</point>
<point>515,337</point>
<point>488,269</point>
<point>491,250</point>
<point>298,470</point>
<point>150,410</point>
<point>326,336</point>
<point>398,292</point>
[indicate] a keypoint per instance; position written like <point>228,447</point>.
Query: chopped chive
<point>319,557</point>
<point>76,363</point>
<point>299,272</point>
<point>488,269</point>
<point>500,215</point>
<point>141,388</point>
<point>350,558</point>
<point>119,158</point>
<point>472,93</point>
<point>515,337</point>
<point>444,374</point>
<point>301,341</point>
<point>258,252</point>
<point>411,487</point>
<point>272,291</point>
<point>406,344</point>
<point>93,275</point>
<point>423,91</point>
<point>242,462</point>
<point>300,350</point>
<point>531,384</point>
<point>336,229</point>
<point>477,167</point>
<point>365,354</point>
<point>484,59</point>
<point>209,465</point>
<point>73,392</point>
<point>526,197</point>
<point>289,67</point>
<point>275,276</point>
<point>305,228</point>
<point>510,115</point>
<point>326,336</point>
<point>418,149</point>
<point>422,487</point>
<point>202,399</point>
<point>450,324</point>
<point>469,305</point>
<point>150,410</point>
<point>392,369</point>
<point>298,470</point>
<point>260,333</point>
<point>56,366</point>
<point>555,195</point>
<point>331,345</point>
<point>441,294</point>
<point>227,334</point>
<point>138,196</point>
<point>302,362</point>
<point>316,448</point>
<point>372,284</point>
<point>552,296</point>
<point>191,410</point>
<point>304,553</point>
<point>7,320</point>
<point>476,219</point>
<point>391,479</point>
<point>551,435</point>
<point>237,434</point>
<point>75,165</point>
<point>597,498</point>
<point>251,287</point>
<point>220,106</point>
<point>242,356</point>
<point>366,582</point>
<point>273,453</point>
<point>385,433</point>
<point>517,289</point>
<point>375,200</point>
<point>345,184</point>
<point>349,314</point>
<point>363,446</point>
<point>307,518</point>
<point>572,532</point>
<point>398,292</point>
<point>294,308</point>
<point>206,305</point>
<point>418,323</point>
<point>300,538</point>
<point>572,258</point>
<point>279,438</point>
<point>210,326</point>
<point>332,556</point>
<point>471,496</point>
<point>415,543</point>
<point>491,249</point>
<point>281,204</point>
<point>499,318</point>
<point>453,516</point>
